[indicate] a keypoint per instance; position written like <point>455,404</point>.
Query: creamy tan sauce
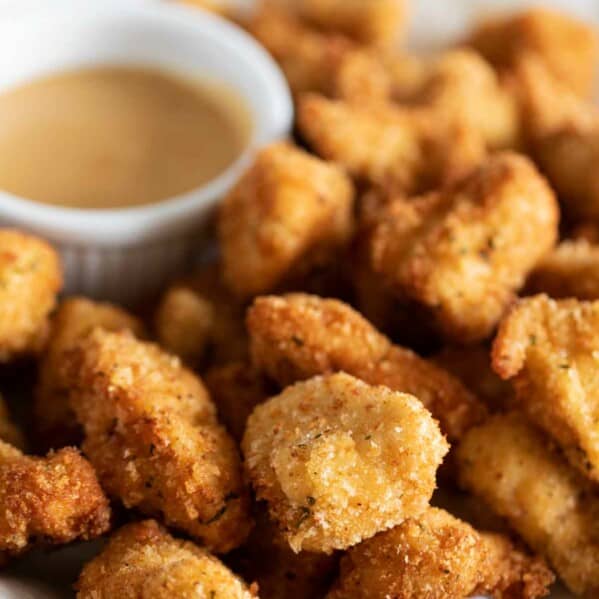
<point>116,136</point>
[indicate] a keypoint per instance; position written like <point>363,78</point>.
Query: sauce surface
<point>111,137</point>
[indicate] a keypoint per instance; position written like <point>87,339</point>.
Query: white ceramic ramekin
<point>124,254</point>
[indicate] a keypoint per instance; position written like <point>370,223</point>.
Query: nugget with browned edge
<point>515,469</point>
<point>437,556</point>
<point>152,435</point>
<point>30,278</point>
<point>296,336</point>
<point>143,560</point>
<point>338,460</point>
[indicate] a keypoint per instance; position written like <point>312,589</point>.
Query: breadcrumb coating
<point>296,336</point>
<point>142,560</point>
<point>388,145</point>
<point>514,468</point>
<point>289,211</point>
<point>75,318</point>
<point>549,351</point>
<point>30,278</point>
<point>8,431</point>
<point>48,501</point>
<point>152,435</point>
<point>437,556</point>
<point>338,460</point>
<point>463,252</point>
<point>567,46</point>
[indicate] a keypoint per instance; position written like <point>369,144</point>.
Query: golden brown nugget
<point>183,324</point>
<point>51,500</point>
<point>30,278</point>
<point>570,270</point>
<point>514,468</point>
<point>549,351</point>
<point>378,22</point>
<point>8,431</point>
<point>338,460</point>
<point>236,389</point>
<point>390,146</point>
<point>567,46</point>
<point>152,435</point>
<point>289,211</point>
<point>296,336</point>
<point>143,560</point>
<point>75,318</point>
<point>437,556</point>
<point>462,253</point>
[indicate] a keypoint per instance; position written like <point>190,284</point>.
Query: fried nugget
<point>30,278</point>
<point>514,468</point>
<point>51,500</point>
<point>462,253</point>
<point>297,336</point>
<point>389,146</point>
<point>437,556</point>
<point>289,212</point>
<point>8,431</point>
<point>549,351</point>
<point>143,560</point>
<point>338,460</point>
<point>76,317</point>
<point>567,46</point>
<point>152,435</point>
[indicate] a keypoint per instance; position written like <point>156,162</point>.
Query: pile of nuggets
<point>402,318</point>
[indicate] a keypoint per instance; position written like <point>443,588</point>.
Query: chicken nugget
<point>388,145</point>
<point>567,46</point>
<point>549,351</point>
<point>462,253</point>
<point>297,336</point>
<point>437,556</point>
<point>30,278</point>
<point>378,22</point>
<point>511,465</point>
<point>8,431</point>
<point>51,500</point>
<point>338,460</point>
<point>152,435</point>
<point>143,560</point>
<point>75,318</point>
<point>289,212</point>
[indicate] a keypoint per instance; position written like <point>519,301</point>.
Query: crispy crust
<point>289,211</point>
<point>437,556</point>
<point>30,278</point>
<point>296,336</point>
<point>464,252</point>
<point>514,468</point>
<point>338,460</point>
<point>143,560</point>
<point>51,500</point>
<point>548,350</point>
<point>152,435</point>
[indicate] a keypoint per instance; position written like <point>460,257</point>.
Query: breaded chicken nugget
<point>143,560</point>
<point>75,318</point>
<point>30,278</point>
<point>549,351</point>
<point>463,252</point>
<point>377,22</point>
<point>50,500</point>
<point>571,270</point>
<point>389,146</point>
<point>152,435</point>
<point>8,431</point>
<point>514,468</point>
<point>289,212</point>
<point>338,460</point>
<point>567,46</point>
<point>437,556</point>
<point>296,336</point>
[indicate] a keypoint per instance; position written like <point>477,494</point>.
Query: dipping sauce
<point>112,137</point>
